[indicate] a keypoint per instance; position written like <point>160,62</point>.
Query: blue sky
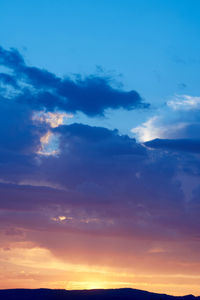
<point>150,46</point>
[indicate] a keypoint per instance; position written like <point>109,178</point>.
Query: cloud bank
<point>104,200</point>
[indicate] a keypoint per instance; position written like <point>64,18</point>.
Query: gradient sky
<point>99,144</point>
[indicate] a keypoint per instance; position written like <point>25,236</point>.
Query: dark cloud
<point>91,95</point>
<point>11,59</point>
<point>183,145</point>
<point>8,80</point>
<point>105,176</point>
<point>100,140</point>
<point>98,175</point>
<point>114,193</point>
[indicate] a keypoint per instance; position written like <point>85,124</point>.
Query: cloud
<point>159,127</point>
<point>187,145</point>
<point>41,89</point>
<point>105,200</point>
<point>97,168</point>
<point>178,119</point>
<point>184,102</point>
<point>11,59</point>
<point>54,119</point>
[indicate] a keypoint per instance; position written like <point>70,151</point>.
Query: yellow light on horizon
<point>35,267</point>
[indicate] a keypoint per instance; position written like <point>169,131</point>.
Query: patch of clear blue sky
<point>152,46</point>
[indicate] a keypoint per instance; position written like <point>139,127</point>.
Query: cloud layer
<point>104,200</point>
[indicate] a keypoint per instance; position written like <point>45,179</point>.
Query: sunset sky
<point>100,144</point>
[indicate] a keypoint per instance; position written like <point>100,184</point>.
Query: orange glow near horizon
<point>38,268</point>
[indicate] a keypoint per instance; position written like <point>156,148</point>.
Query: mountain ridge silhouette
<point>94,294</point>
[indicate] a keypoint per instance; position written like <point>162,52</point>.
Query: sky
<point>99,144</point>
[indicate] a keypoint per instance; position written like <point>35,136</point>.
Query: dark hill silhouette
<point>117,294</point>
